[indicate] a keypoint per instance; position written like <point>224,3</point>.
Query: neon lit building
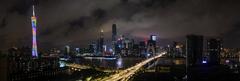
<point>34,38</point>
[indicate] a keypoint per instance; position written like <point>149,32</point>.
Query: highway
<point>124,75</point>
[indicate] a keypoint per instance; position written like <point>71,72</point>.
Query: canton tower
<point>34,30</point>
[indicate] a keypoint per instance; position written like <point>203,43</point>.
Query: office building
<point>114,32</point>
<point>67,50</point>
<point>142,48</point>
<point>151,45</point>
<point>214,47</point>
<point>194,49</point>
<point>100,43</point>
<point>114,37</point>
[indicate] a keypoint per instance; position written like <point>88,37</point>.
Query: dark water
<point>120,63</point>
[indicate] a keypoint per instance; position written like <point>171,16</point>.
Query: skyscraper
<point>151,45</point>
<point>194,49</point>
<point>67,50</point>
<point>34,38</point>
<point>114,34</point>
<point>142,47</point>
<point>214,48</point>
<point>101,42</point>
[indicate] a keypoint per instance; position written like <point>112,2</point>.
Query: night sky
<point>77,22</point>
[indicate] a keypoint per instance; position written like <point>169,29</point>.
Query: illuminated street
<point>126,74</point>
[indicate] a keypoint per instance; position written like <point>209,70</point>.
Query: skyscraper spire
<point>33,10</point>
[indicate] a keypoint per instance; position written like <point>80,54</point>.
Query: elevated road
<point>124,75</point>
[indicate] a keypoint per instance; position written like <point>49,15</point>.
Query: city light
<point>119,63</point>
<point>204,61</point>
<point>62,64</point>
<point>120,40</point>
<point>127,73</point>
<point>154,37</point>
<point>227,61</point>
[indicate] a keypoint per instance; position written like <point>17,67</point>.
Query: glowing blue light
<point>119,46</point>
<point>62,64</point>
<point>148,54</point>
<point>110,50</point>
<point>204,61</point>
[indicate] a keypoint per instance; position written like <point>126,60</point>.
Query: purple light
<point>110,50</point>
<point>227,61</point>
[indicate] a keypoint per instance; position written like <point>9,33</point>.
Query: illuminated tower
<point>101,41</point>
<point>34,39</point>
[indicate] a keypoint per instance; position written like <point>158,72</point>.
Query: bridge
<point>79,67</point>
<point>125,75</point>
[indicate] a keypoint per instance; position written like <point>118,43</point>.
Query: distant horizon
<point>160,42</point>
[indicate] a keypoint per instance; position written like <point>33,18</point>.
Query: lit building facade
<point>214,47</point>
<point>151,45</point>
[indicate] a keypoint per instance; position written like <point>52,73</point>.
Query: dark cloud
<point>3,23</point>
<point>99,14</point>
<point>75,22</point>
<point>231,38</point>
<point>21,7</point>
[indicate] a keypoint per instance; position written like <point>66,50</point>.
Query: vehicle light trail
<point>126,74</point>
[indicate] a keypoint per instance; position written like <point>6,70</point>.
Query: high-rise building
<point>214,47</point>
<point>136,50</point>
<point>151,45</point>
<point>177,49</point>
<point>194,49</point>
<point>67,50</point>
<point>114,35</point>
<point>114,32</point>
<point>34,38</point>
<point>91,48</point>
<point>126,46</point>
<point>119,44</point>
<point>142,47</point>
<point>101,42</point>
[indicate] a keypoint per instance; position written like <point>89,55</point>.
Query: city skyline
<point>119,40</point>
<point>76,24</point>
